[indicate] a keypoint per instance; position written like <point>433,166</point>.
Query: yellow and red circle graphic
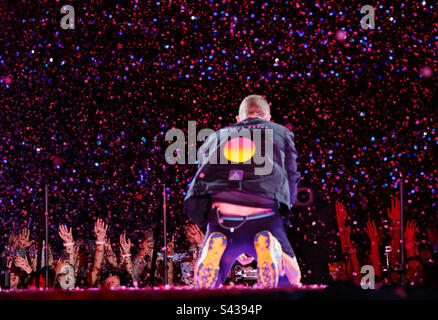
<point>239,149</point>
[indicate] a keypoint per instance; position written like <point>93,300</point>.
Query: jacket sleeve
<point>198,208</point>
<point>291,166</point>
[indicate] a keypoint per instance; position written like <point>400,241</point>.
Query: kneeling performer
<point>243,191</point>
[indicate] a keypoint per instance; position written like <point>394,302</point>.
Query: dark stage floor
<point>337,291</point>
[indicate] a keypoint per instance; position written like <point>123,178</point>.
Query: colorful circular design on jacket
<point>239,149</point>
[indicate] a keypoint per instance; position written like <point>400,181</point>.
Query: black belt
<point>243,219</point>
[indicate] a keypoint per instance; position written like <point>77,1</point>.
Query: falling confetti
<point>86,110</point>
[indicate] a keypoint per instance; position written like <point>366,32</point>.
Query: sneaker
<point>207,266</point>
<point>268,259</point>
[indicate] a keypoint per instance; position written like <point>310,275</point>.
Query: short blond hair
<point>254,106</point>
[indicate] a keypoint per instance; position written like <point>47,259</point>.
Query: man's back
<point>255,156</point>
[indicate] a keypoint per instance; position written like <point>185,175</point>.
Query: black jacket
<point>270,172</point>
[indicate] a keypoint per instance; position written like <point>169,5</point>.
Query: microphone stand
<point>165,234</point>
<point>46,235</point>
<point>402,238</point>
<point>157,238</point>
<point>43,237</point>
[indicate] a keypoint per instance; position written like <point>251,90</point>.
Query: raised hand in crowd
<point>22,240</point>
<point>394,212</point>
<point>194,235</point>
<point>349,249</point>
<point>100,229</point>
<point>67,236</point>
<point>146,248</point>
<point>410,235</point>
<point>23,264</point>
<point>110,256</point>
<point>394,217</point>
<point>196,238</point>
<point>125,244</point>
<point>125,252</point>
<point>12,241</point>
<point>346,240</point>
<point>341,215</point>
<point>374,236</point>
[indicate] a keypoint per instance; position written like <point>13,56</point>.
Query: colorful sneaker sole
<point>207,270</point>
<point>268,259</point>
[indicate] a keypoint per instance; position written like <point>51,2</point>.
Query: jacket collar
<point>251,120</point>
